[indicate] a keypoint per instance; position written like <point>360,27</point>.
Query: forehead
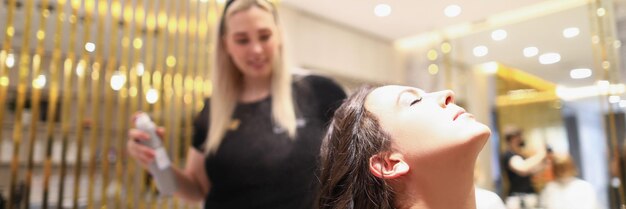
<point>384,97</point>
<point>251,18</point>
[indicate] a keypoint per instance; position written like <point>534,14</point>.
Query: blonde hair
<point>564,167</point>
<point>227,81</point>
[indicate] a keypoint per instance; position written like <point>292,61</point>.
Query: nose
<point>445,97</point>
<point>256,48</point>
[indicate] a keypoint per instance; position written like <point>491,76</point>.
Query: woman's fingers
<point>160,131</point>
<point>138,135</point>
<point>143,154</point>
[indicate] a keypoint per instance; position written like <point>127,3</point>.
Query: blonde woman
<point>256,141</point>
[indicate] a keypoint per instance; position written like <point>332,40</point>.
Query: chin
<point>258,73</point>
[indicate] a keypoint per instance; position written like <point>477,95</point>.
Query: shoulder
<point>317,82</point>
<point>486,199</point>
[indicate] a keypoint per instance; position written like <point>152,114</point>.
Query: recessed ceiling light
<point>382,10</point>
<point>480,51</point>
<point>580,73</point>
<point>549,58</point>
<point>498,35</point>
<point>571,32</point>
<point>531,51</point>
<point>601,12</point>
<point>452,10</point>
<point>490,67</point>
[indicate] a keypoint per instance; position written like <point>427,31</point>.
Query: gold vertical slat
<point>145,82</point>
<point>165,18</point>
<point>68,92</point>
<point>606,61</point>
<point>137,43</point>
<point>181,67</point>
<point>24,67</point>
<point>172,44</point>
<point>53,99</point>
<point>96,93</point>
<point>37,85</point>
<point>122,122</point>
<point>157,80</point>
<point>6,50</point>
<point>81,72</point>
<point>115,9</point>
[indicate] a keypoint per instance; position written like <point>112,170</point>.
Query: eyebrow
<point>406,91</point>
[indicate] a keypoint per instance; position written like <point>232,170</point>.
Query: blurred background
<point>73,71</point>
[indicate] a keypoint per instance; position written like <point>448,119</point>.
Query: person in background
<point>519,169</point>
<point>567,191</point>
<point>256,141</point>
<point>400,147</point>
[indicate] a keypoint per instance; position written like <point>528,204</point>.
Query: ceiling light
<point>382,10</point>
<point>571,32</point>
<point>601,12</point>
<point>549,58</point>
<point>614,99</point>
<point>480,51</point>
<point>498,35</point>
<point>490,67</point>
<point>622,103</point>
<point>452,10</point>
<point>531,51</point>
<point>617,44</point>
<point>580,73</point>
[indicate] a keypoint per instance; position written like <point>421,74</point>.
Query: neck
<point>439,187</point>
<point>254,89</point>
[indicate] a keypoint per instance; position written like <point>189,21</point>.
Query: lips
<point>257,64</point>
<point>459,113</point>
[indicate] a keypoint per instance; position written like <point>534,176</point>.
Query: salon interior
<point>73,71</point>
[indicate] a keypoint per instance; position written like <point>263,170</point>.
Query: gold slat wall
<point>72,72</point>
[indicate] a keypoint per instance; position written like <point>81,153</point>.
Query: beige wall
<point>329,48</point>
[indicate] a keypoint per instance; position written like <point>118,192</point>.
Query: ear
<point>388,166</point>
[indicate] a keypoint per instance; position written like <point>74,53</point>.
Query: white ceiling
<point>410,18</point>
<point>545,33</point>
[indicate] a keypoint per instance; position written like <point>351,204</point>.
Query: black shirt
<point>257,165</point>
<point>517,184</point>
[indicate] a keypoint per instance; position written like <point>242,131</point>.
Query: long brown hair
<point>353,137</point>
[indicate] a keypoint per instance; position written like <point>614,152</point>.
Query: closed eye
<point>416,101</point>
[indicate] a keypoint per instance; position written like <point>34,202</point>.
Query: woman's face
<point>423,124</point>
<point>252,41</point>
